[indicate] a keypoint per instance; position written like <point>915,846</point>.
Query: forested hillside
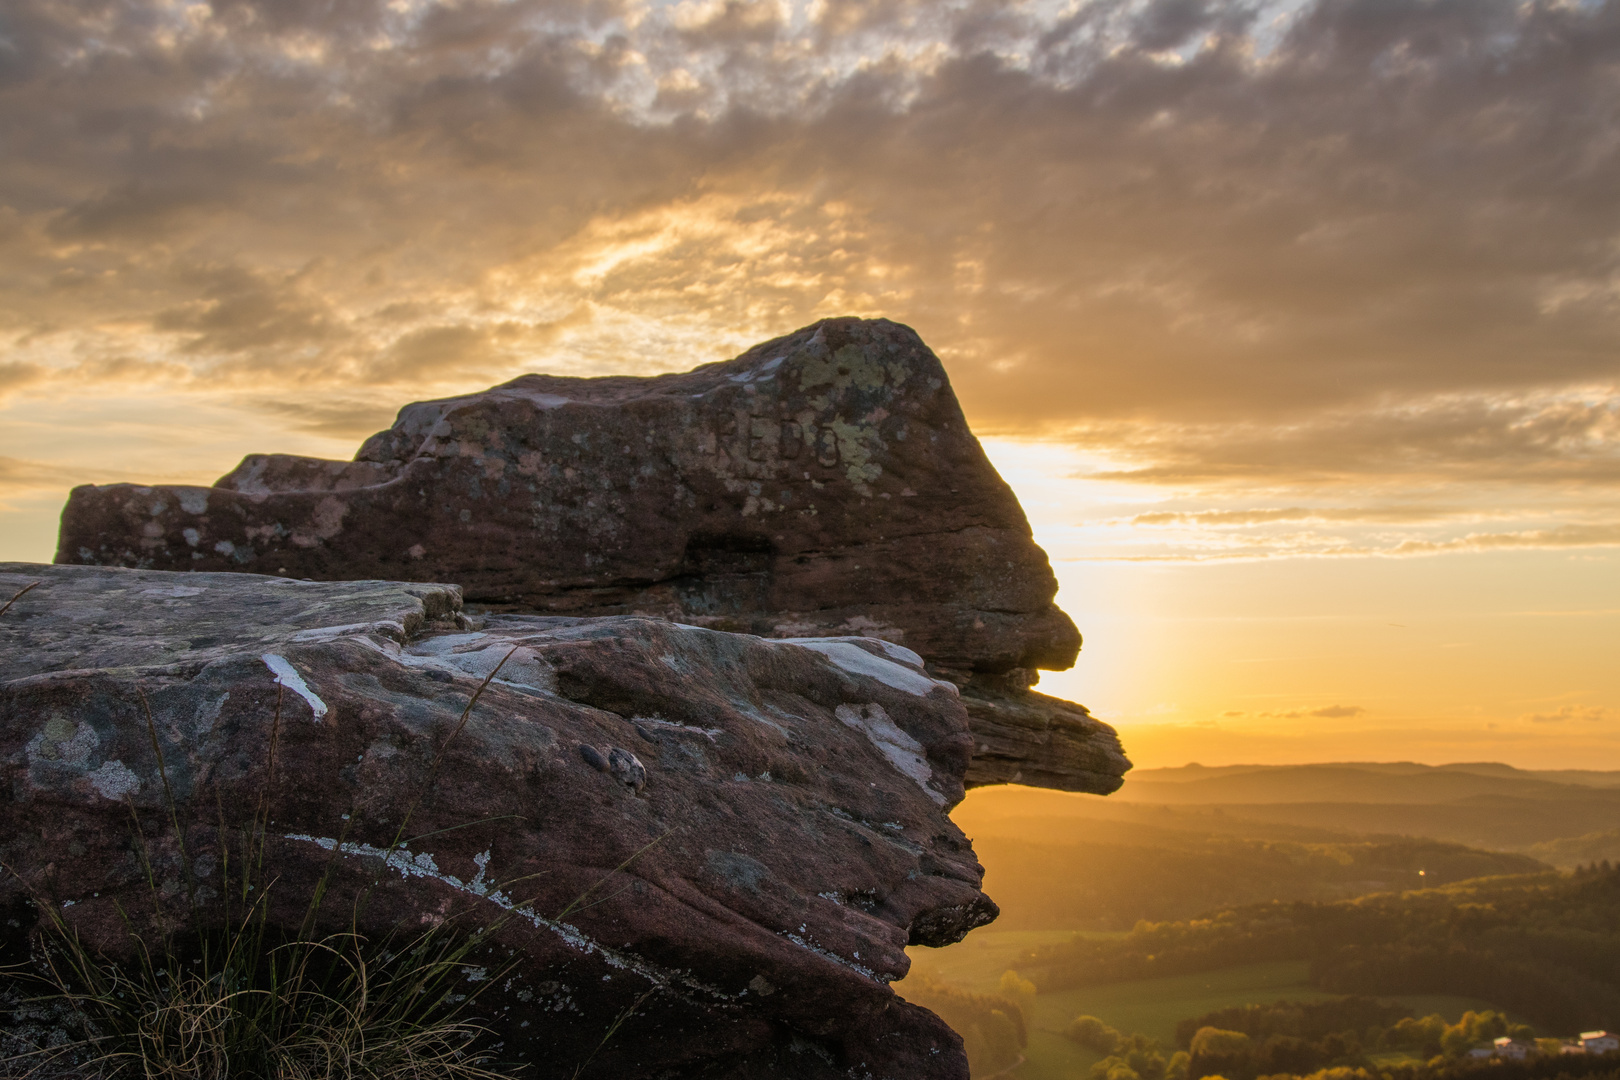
<point>1544,947</point>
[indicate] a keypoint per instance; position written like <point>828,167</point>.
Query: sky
<point>1295,325</point>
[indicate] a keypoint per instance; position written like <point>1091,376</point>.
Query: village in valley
<point>1510,1048</point>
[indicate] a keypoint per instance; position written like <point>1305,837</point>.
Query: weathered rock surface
<point>760,825</point>
<point>824,483</point>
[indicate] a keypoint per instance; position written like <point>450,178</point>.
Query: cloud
<point>96,373</point>
<point>1557,436</point>
<point>16,374</point>
<point>1220,548</point>
<point>337,418</point>
<point>455,347</point>
<point>123,369</point>
<point>1592,713</point>
<point>20,476</point>
<point>1563,536</point>
<point>1327,712</point>
<point>723,23</point>
<point>1239,518</point>
<point>1232,244</point>
<point>242,313</point>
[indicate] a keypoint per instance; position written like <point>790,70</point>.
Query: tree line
<point>1346,1039</point>
<point>1544,947</point>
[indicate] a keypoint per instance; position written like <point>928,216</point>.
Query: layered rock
<point>824,483</point>
<point>760,825</point>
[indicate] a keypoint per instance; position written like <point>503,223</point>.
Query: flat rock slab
<point>759,826</point>
<point>824,483</point>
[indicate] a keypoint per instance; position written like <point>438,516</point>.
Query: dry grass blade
<point>438,758</point>
<point>584,901</point>
<point>168,798</point>
<point>613,1029</point>
<point>24,591</point>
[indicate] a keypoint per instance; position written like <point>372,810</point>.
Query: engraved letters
<point>826,448</point>
<point>764,435</point>
<point>743,438</point>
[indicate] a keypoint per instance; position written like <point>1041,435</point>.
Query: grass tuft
<point>251,1001</point>
<point>234,1005</point>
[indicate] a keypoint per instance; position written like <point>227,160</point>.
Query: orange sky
<point>1199,652</point>
<point>1294,325</point>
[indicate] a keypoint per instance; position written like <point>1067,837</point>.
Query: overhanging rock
<point>824,483</point>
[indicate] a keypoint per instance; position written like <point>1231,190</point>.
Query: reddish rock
<point>824,483</point>
<point>761,824</point>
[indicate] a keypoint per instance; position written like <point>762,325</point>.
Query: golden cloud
<point>1235,246</point>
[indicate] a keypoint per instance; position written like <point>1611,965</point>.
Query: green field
<point>1149,1006</point>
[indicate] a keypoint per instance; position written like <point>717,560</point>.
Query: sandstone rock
<point>1024,737</point>
<point>824,483</point>
<point>761,825</point>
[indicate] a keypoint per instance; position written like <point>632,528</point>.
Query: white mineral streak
<point>764,371</point>
<point>827,954</point>
<point>175,591</point>
<point>423,865</point>
<point>857,661</point>
<point>478,654</point>
<point>903,752</point>
<point>670,725</point>
<point>474,655</point>
<point>418,419</point>
<point>546,402</point>
<point>390,628</point>
<point>114,780</point>
<point>754,714</point>
<point>288,676</point>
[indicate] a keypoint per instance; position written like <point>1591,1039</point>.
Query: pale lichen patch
<point>114,781</point>
<point>329,514</point>
<point>62,740</point>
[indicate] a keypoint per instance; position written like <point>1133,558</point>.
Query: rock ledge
<point>761,824</point>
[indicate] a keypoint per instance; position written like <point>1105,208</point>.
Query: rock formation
<point>824,483</point>
<point>760,825</point>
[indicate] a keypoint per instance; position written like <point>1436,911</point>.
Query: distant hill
<point>1579,850</point>
<point>1355,783</point>
<point>1581,777</point>
<point>1146,873</point>
<point>1055,861</point>
<point>1565,818</point>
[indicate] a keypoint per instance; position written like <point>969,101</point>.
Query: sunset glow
<point>1294,326</point>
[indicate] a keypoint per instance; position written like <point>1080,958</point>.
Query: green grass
<point>1151,1007</point>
